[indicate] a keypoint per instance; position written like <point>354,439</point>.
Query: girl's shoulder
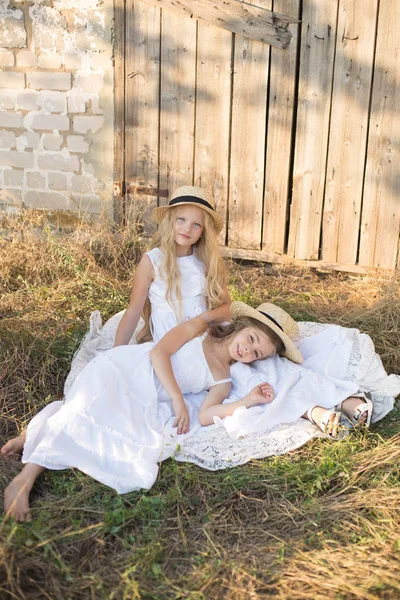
<point>154,255</point>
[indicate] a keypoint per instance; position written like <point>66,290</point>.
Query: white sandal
<point>366,407</point>
<point>336,427</point>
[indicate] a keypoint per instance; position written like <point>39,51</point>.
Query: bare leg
<point>13,448</point>
<point>16,495</point>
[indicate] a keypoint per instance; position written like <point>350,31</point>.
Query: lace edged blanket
<point>213,448</point>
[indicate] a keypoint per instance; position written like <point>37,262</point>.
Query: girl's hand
<point>182,420</point>
<point>261,394</point>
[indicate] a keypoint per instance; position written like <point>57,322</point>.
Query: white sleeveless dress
<point>164,317</point>
<point>117,421</point>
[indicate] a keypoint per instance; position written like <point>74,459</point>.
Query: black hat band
<point>193,199</point>
<point>271,319</point>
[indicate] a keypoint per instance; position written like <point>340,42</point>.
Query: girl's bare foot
<point>13,448</point>
<point>16,495</point>
<point>16,499</point>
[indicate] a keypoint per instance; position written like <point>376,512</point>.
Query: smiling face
<point>251,344</point>
<point>189,225</point>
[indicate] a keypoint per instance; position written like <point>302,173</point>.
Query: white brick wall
<point>56,110</point>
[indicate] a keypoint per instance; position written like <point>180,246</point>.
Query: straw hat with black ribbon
<point>196,196</point>
<point>276,319</point>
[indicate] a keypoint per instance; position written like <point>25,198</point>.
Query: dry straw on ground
<point>321,522</point>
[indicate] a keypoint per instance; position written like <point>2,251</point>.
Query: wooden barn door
<point>289,118</point>
<point>194,100</point>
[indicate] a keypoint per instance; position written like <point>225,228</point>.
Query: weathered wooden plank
<point>348,131</point>
<point>119,105</point>
<point>284,259</point>
<point>213,112</point>
<point>314,101</point>
<point>381,206</point>
<point>141,107</point>
<point>279,137</point>
<point>254,22</point>
<point>247,143</point>
<point>178,80</point>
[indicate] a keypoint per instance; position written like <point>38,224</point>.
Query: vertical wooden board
<point>314,101</point>
<point>119,104</point>
<point>213,110</point>
<point>381,206</point>
<point>141,106</point>
<point>178,79</point>
<point>248,142</point>
<point>279,135</point>
<point>348,130</point>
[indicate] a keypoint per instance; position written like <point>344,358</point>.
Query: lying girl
<point>112,423</point>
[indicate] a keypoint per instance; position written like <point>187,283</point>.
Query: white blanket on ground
<point>344,356</point>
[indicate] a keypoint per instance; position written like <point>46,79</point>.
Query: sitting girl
<point>112,423</point>
<point>183,276</point>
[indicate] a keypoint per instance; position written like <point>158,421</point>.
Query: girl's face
<point>250,344</point>
<point>189,225</point>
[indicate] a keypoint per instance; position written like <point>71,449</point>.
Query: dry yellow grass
<point>322,522</point>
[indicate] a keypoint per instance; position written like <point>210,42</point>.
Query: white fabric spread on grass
<point>345,356</point>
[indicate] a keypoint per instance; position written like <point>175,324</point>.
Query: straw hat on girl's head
<point>278,320</point>
<point>196,196</point>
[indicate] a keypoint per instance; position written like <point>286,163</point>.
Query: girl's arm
<point>261,394</point>
<point>221,313</point>
<point>143,277</point>
<point>160,357</point>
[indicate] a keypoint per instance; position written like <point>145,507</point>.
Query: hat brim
<point>160,212</point>
<point>240,309</point>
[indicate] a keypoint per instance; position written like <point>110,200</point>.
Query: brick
<point>47,200</point>
<point>8,100</point>
<point>6,58</point>
<point>96,110</point>
<point>58,181</point>
<point>76,103</point>
<point>58,162</point>
<point>10,197</point>
<point>28,100</point>
<point>12,28</point>
<point>49,122</point>
<point>13,177</point>
<point>49,26</point>
<point>35,180</point>
<point>72,60</point>
<point>77,143</point>
<point>87,168</point>
<point>86,203</point>
<point>50,61</point>
<point>52,142</point>
<point>12,158</point>
<point>9,79</point>
<point>10,119</point>
<point>98,60</point>
<point>7,139</point>
<point>87,123</point>
<point>82,184</point>
<point>89,83</point>
<point>54,102</point>
<point>29,139</point>
<point>49,81</point>
<point>26,58</point>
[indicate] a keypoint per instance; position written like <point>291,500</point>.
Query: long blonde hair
<point>208,253</point>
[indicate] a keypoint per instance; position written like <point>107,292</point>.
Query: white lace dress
<point>346,357</point>
<point>117,421</point>
<point>164,316</point>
